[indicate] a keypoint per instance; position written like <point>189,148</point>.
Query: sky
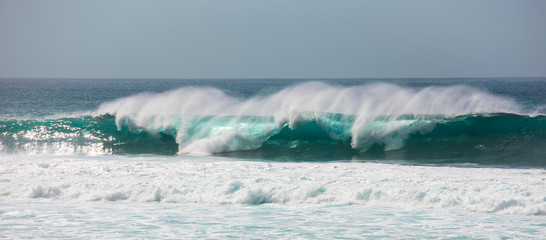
<point>272,39</point>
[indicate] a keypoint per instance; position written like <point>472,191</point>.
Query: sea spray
<point>194,113</point>
<point>371,121</point>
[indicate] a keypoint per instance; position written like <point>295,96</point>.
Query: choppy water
<point>398,158</point>
<point>54,219</point>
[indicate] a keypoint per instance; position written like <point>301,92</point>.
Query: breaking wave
<point>310,121</point>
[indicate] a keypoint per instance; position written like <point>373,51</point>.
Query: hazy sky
<point>272,39</point>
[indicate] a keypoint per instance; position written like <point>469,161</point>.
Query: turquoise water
<point>484,121</point>
<point>332,158</point>
<point>499,138</point>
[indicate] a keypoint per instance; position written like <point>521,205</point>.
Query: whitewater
<point>354,158</point>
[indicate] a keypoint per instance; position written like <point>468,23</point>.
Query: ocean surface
<point>270,158</point>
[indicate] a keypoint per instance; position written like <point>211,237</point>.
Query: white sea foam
<point>172,109</point>
<point>61,219</point>
<point>205,180</point>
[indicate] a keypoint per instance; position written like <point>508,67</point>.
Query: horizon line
<point>263,78</point>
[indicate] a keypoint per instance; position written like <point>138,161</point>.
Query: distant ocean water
<point>338,158</point>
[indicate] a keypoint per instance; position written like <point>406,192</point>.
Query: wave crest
<point>193,113</point>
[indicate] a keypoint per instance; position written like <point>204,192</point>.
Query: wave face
<point>310,121</point>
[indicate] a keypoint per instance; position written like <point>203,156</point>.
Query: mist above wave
<point>288,104</point>
<point>182,112</point>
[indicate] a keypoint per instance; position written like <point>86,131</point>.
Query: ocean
<point>273,158</point>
